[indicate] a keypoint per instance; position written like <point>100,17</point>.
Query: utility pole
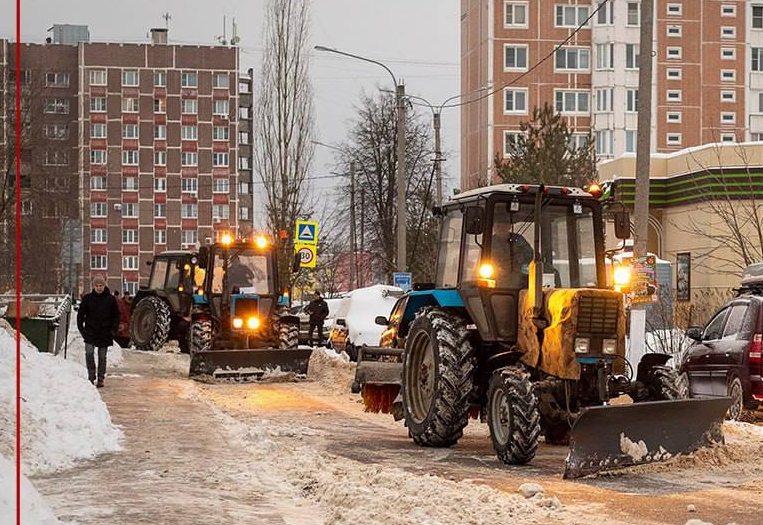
<point>362,237</point>
<point>352,227</point>
<point>437,156</point>
<point>401,221</point>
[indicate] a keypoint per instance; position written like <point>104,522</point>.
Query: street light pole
<point>437,157</point>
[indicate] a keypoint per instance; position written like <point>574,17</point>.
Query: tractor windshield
<point>567,245</point>
<point>247,272</point>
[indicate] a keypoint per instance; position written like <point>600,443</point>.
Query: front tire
<point>513,416</point>
<point>438,378</point>
<point>200,336</point>
<point>150,324</point>
<point>288,336</point>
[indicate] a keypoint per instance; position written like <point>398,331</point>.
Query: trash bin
<point>44,319</point>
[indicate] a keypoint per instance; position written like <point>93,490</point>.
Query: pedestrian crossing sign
<point>306,232</point>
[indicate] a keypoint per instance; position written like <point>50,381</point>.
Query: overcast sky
<point>418,40</point>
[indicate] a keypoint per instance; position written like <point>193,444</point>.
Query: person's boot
<point>99,384</point>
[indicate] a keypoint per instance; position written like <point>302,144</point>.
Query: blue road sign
<point>402,280</point>
<point>307,232</point>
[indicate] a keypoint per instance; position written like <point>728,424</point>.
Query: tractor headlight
<point>253,323</point>
<point>609,346</point>
<point>226,239</point>
<point>261,242</point>
<point>622,277</point>
<point>582,344</point>
<point>487,271</point>
<point>238,322</point>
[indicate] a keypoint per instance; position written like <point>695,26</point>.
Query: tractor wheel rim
<point>500,416</point>
<point>736,400</point>
<point>421,377</point>
<point>146,324</point>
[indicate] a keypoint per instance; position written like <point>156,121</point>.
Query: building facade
<point>707,74</point>
<point>147,138</point>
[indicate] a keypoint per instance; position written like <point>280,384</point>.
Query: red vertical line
<point>18,262</point>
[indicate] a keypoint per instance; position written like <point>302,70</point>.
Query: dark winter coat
<point>318,310</point>
<point>98,318</point>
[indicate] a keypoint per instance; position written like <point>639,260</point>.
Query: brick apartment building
<point>147,137</point>
<point>707,79</point>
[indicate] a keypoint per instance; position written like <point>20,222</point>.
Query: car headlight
<point>609,346</point>
<point>582,344</point>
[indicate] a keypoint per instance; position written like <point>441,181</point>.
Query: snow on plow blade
<point>248,363</point>
<point>612,437</point>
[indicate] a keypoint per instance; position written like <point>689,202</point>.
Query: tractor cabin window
<point>450,247</point>
<point>158,274</point>
<point>247,272</point>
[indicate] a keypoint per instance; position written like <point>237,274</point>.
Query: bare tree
<point>283,117</point>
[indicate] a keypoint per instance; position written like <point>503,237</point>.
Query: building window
<point>605,56</point>
<point>674,53</point>
<point>673,95</point>
<point>572,101</point>
<point>674,30</point>
<point>728,75</point>
<point>160,211</point>
<point>675,9</point>
<point>757,58</point>
<point>243,113</point>
<point>577,141</point>
<point>728,137</point>
<point>243,163</point>
<point>759,109</point>
<point>189,211</point>
<point>515,101</point>
<point>129,236</point>
<point>221,133</point>
<point>130,183</point>
<point>243,188</point>
<point>220,159</point>
<point>728,32</point>
<point>26,208</point>
<point>129,209</point>
<point>604,102</point>
<point>160,237</point>
<point>129,157</point>
<point>728,10</point>
<point>221,107</point>
<point>673,117</point>
<point>130,262</point>
<point>728,117</point>
<point>129,131</point>
<point>189,106</point>
<point>98,236</point>
<point>130,105</point>
<point>189,158</point>
<point>98,183</point>
<point>160,184</point>
<point>129,77</point>
<point>98,156</point>
<point>98,105</point>
<point>57,80</point>
<point>97,262</point>
<point>728,96</point>
<point>572,59</point>
<point>56,131</point>
<point>728,53</point>
<point>673,73</point>
<point>97,77</point>
<point>673,139</point>
<point>97,209</point>
<point>571,16</point>
<point>631,56</point>
<point>189,133</point>
<point>243,137</point>
<point>605,15</point>
<point>514,58</point>
<point>160,132</point>
<point>189,185</point>
<point>757,17</point>
<point>131,287</point>
<point>631,100</point>
<point>630,141</point>
<point>633,13</point>
<point>160,105</point>
<point>221,80</point>
<point>515,14</point>
<point>189,237</point>
<point>243,213</point>
<point>189,79</point>
<point>605,143</point>
<point>56,158</point>
<point>220,211</point>
<point>97,131</point>
<point>221,186</point>
<point>160,158</point>
<point>160,78</point>
<point>243,86</point>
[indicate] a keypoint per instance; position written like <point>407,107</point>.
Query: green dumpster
<point>44,320</point>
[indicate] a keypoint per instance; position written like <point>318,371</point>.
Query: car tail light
<point>755,353</point>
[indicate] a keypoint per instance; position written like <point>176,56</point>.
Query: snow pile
<point>34,509</point>
<point>361,307</point>
<point>334,371</point>
<point>63,416</point>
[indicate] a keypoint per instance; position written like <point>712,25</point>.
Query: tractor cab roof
<point>520,189</point>
<point>176,254</point>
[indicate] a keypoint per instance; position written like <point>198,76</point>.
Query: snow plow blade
<point>378,377</point>
<point>612,437</point>
<point>248,363</point>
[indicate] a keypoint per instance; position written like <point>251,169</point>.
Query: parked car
<point>354,324</point>
<point>725,358</point>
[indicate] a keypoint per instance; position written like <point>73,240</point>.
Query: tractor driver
<point>511,254</point>
<point>239,275</point>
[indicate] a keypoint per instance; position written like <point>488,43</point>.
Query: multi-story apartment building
<point>707,76</point>
<point>245,152</point>
<point>146,136</point>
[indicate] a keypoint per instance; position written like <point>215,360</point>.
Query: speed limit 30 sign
<point>306,254</point>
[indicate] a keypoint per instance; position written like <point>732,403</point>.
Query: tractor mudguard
<point>449,298</point>
<point>289,319</point>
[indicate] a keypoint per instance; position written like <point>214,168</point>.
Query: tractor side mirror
<point>475,220</point>
<point>381,320</point>
<point>694,333</point>
<point>203,257</point>
<point>622,224</point>
<point>341,322</point>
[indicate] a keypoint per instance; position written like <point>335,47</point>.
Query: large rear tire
<point>438,378</point>
<point>513,416</point>
<point>200,336</point>
<point>664,384</point>
<point>150,324</point>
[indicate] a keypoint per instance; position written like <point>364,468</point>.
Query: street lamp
<point>400,181</point>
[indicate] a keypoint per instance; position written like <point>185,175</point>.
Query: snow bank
<point>334,371</point>
<point>361,308</point>
<point>63,416</point>
<point>34,509</point>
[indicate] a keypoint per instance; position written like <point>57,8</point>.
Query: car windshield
<point>567,245</point>
<point>247,272</point>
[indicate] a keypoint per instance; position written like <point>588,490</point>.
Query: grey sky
<point>418,39</point>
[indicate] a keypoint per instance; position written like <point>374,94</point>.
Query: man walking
<point>318,310</point>
<point>98,322</point>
